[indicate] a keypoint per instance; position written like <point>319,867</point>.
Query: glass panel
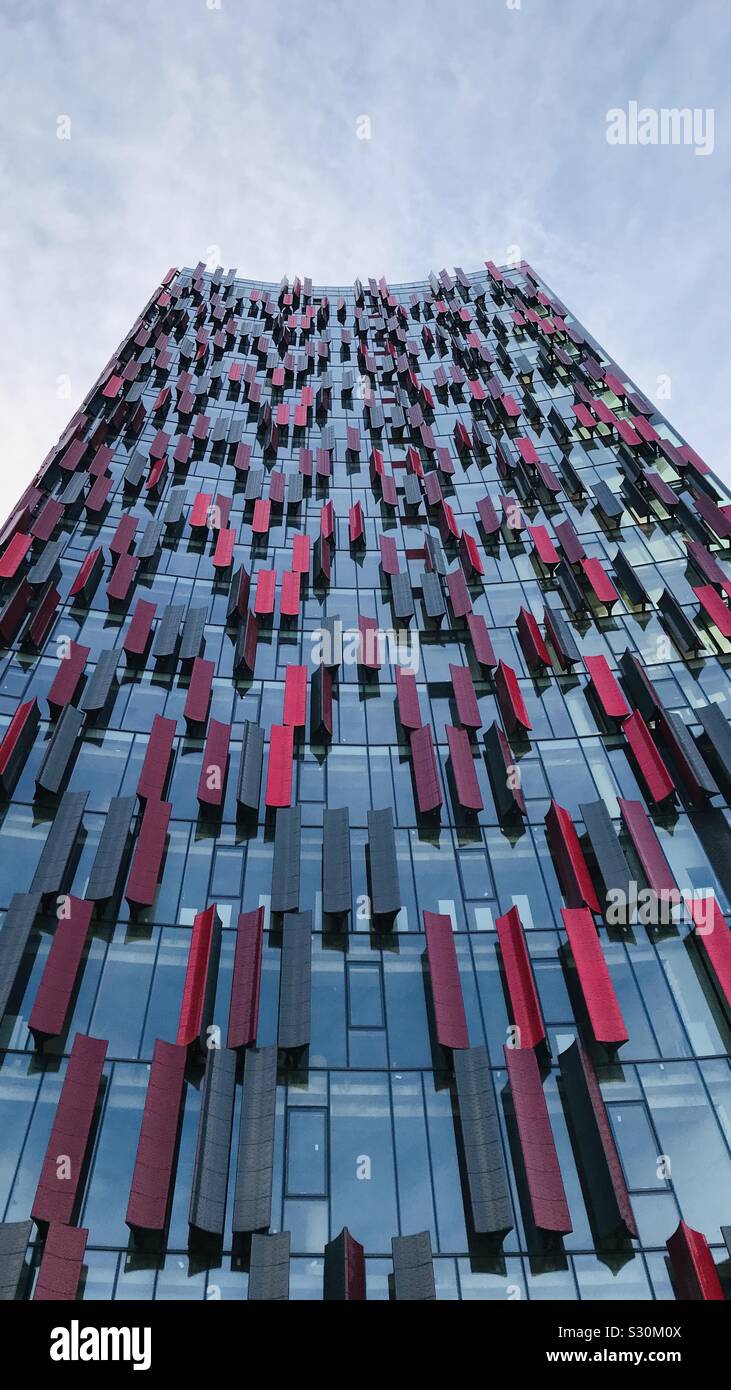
<point>306,1153</point>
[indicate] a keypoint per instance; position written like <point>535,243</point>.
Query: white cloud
<point>193,127</point>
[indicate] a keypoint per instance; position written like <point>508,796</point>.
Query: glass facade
<point>455,425</point>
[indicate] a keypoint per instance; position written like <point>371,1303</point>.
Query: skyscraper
<point>365,845</point>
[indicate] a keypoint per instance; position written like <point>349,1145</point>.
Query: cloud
<point>193,127</point>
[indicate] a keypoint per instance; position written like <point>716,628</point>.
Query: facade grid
<point>365,857</point>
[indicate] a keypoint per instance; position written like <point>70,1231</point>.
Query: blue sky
<point>233,125</point>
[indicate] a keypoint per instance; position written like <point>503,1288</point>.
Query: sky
<point>231,131</point>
